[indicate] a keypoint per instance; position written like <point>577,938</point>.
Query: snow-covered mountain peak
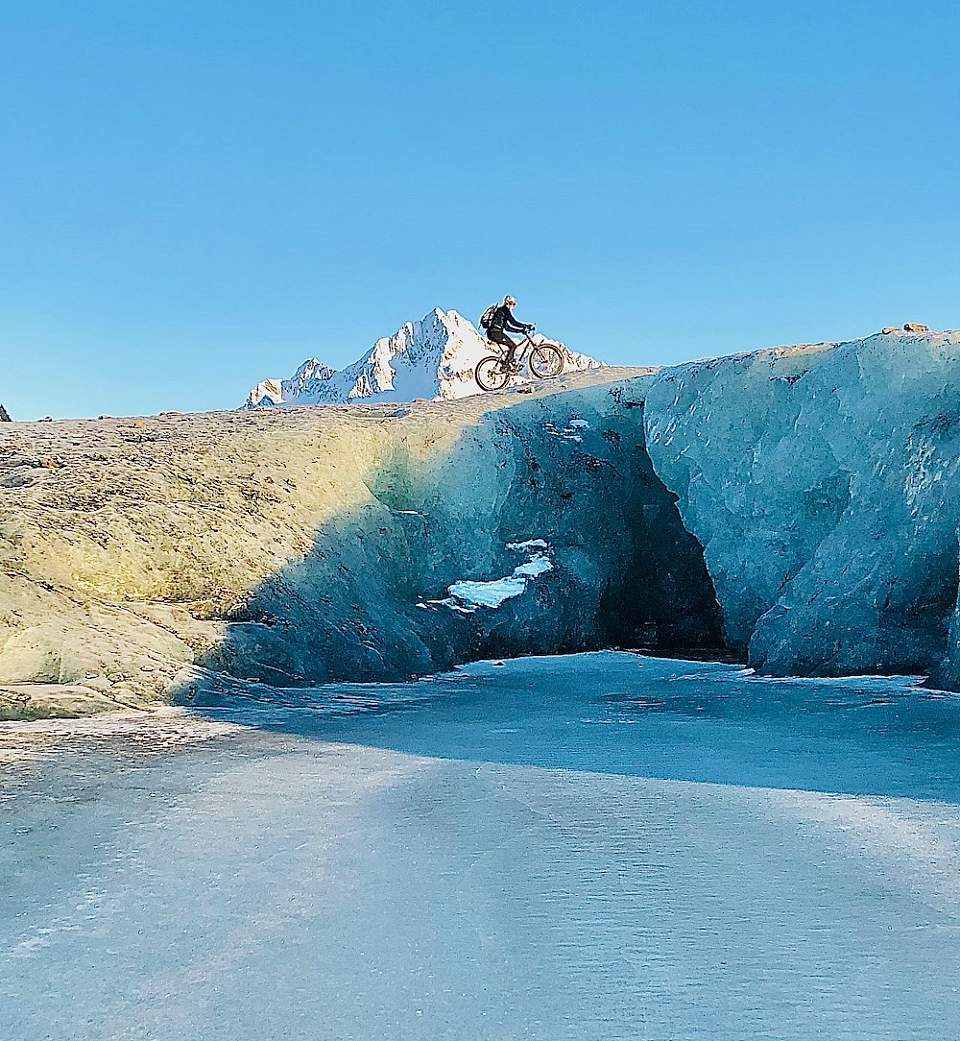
<point>432,358</point>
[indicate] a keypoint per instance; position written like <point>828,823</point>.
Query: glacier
<point>796,507</point>
<point>822,482</point>
<point>597,846</point>
<point>433,359</point>
<point>541,843</point>
<point>197,557</point>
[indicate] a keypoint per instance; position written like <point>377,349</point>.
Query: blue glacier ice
<point>798,507</point>
<point>589,847</point>
<point>822,483</point>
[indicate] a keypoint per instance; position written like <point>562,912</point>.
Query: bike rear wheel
<point>490,373</point>
<point>546,361</point>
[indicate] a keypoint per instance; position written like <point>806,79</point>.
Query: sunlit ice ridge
<point>796,507</point>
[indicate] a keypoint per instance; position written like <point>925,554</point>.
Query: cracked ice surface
<point>590,847</point>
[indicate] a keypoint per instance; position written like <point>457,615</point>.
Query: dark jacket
<point>504,321</point>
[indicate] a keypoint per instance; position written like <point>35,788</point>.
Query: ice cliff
<point>822,482</point>
<point>797,505</point>
<point>433,359</point>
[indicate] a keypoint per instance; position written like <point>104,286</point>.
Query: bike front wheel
<point>546,361</point>
<point>490,373</point>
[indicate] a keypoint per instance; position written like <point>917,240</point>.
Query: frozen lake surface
<point>592,847</point>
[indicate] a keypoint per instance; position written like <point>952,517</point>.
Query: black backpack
<point>487,317</point>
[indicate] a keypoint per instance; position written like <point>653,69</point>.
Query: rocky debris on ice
<point>433,359</point>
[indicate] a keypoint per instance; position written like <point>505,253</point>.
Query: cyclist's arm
<point>513,326</point>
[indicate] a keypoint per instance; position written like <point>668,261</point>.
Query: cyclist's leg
<point>499,336</point>
<point>511,351</point>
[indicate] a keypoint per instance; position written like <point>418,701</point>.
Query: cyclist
<point>502,322</point>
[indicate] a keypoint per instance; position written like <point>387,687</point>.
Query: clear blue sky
<point>196,195</point>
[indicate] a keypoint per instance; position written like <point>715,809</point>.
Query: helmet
<point>510,301</point>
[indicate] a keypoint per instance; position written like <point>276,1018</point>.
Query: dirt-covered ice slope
<point>822,482</point>
<point>800,504</point>
<point>143,559</point>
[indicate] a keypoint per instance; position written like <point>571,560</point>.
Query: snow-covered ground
<point>589,847</point>
<point>434,358</point>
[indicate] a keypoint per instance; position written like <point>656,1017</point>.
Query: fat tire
<point>499,374</point>
<point>551,359</point>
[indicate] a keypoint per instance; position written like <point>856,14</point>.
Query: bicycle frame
<point>524,347</point>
